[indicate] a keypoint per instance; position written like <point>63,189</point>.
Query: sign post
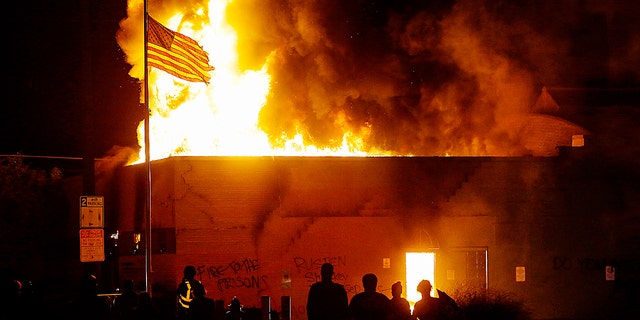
<point>91,245</point>
<point>91,212</point>
<point>91,228</point>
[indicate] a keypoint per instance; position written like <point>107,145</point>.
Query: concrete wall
<point>262,226</point>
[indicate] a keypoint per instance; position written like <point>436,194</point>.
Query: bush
<point>493,305</point>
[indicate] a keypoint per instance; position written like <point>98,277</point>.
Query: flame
<point>308,78</point>
<point>220,119</point>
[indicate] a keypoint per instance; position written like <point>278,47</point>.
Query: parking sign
<point>91,212</point>
<point>91,245</point>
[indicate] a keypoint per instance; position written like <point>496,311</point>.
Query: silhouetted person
<point>145,309</point>
<point>202,307</point>
<point>124,306</point>
<point>30,302</point>
<point>327,300</point>
<point>431,308</point>
<point>185,292</point>
<point>370,304</point>
<point>88,305</point>
<point>235,311</point>
<point>18,299</point>
<point>400,308</point>
<point>11,299</point>
<point>427,308</point>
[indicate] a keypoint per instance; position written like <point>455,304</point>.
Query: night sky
<point>70,94</point>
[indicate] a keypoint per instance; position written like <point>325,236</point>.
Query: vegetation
<point>480,305</point>
<point>32,208</point>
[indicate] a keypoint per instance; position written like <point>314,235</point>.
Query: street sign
<point>91,212</point>
<point>91,245</point>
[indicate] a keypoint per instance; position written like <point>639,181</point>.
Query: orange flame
<point>309,79</point>
<point>220,119</point>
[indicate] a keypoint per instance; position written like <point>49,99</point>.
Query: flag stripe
<point>185,51</point>
<point>160,56</point>
<point>174,70</point>
<point>176,53</point>
<point>192,49</point>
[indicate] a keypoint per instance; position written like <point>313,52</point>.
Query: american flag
<point>176,53</point>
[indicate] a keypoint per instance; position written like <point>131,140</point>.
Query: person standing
<point>426,308</point>
<point>370,304</point>
<point>185,292</point>
<point>145,309</point>
<point>400,308</point>
<point>327,300</point>
<point>88,305</point>
<point>235,311</point>
<point>431,308</point>
<point>202,307</point>
<point>126,303</point>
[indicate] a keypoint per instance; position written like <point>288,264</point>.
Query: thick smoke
<point>424,77</point>
<point>427,77</point>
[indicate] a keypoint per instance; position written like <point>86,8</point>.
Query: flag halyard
<point>176,54</point>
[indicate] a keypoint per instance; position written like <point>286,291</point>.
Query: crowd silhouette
<point>326,300</point>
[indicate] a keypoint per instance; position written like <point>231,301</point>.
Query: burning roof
<point>359,78</point>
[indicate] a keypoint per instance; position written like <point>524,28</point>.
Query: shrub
<point>495,305</point>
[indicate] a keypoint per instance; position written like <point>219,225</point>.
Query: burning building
<point>557,232</point>
<point>405,142</point>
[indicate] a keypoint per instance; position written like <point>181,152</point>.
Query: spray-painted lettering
<point>235,274</point>
<point>304,264</point>
<point>562,263</point>
<point>240,282</point>
<point>314,276</point>
<point>595,264</point>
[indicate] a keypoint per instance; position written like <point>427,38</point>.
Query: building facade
<point>561,234</point>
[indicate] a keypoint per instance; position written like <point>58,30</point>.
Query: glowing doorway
<point>420,266</point>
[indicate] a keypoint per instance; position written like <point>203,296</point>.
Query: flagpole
<point>190,63</point>
<point>147,160</point>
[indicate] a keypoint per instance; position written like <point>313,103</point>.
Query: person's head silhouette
<point>396,289</point>
<point>424,287</point>
<point>369,282</point>
<point>326,271</point>
<point>189,272</point>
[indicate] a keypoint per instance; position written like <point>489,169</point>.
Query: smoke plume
<point>422,77</point>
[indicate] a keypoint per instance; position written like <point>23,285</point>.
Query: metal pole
<point>147,160</point>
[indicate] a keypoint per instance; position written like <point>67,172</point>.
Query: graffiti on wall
<point>595,264</point>
<point>309,268</point>
<point>245,274</point>
<point>242,273</point>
